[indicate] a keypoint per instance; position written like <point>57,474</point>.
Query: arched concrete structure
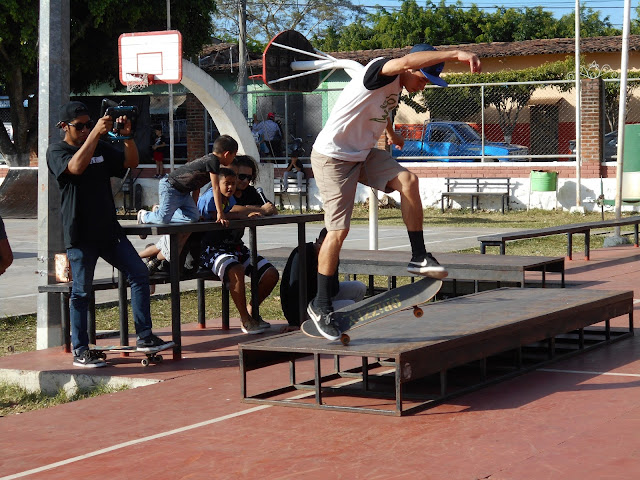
<point>227,117</point>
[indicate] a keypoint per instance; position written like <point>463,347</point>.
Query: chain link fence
<point>520,122</point>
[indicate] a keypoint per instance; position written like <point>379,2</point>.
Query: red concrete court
<point>575,419</point>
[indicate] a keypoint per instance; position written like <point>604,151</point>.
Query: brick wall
<point>195,128</point>
<point>591,128</point>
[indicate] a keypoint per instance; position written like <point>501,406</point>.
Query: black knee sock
<point>323,297</point>
<point>417,243</point>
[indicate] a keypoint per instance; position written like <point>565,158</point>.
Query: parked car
<point>610,146</point>
<point>455,139</point>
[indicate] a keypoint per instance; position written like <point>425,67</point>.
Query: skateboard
<point>152,355</point>
<point>406,297</point>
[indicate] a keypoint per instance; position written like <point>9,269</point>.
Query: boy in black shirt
<point>176,203</point>
<point>83,166</point>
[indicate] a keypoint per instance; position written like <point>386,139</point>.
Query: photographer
<point>83,165</point>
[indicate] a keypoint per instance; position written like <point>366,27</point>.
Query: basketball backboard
<point>291,63</point>
<point>156,55</point>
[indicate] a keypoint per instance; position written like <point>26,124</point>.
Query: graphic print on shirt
<point>390,103</point>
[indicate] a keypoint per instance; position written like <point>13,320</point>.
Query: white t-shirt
<point>360,114</point>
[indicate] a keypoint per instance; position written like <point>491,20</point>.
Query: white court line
<point>586,372</point>
<point>149,438</point>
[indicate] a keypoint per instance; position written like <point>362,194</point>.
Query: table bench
<point>476,188</point>
<point>176,229</point>
<point>461,266</point>
<point>292,189</point>
<point>64,290</point>
<point>500,239</point>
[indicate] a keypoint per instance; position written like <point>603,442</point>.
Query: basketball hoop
<point>137,81</point>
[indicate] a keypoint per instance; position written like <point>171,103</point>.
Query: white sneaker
<point>251,327</point>
<point>141,213</point>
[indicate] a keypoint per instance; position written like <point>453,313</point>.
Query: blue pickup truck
<point>456,139</point>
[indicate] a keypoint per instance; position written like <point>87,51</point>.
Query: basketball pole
<point>170,90</point>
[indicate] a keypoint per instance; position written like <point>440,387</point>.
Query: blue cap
<point>432,73</point>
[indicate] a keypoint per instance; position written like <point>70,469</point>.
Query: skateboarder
<point>83,166</point>
<point>344,154</point>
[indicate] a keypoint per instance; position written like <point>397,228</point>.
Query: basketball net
<point>138,82</point>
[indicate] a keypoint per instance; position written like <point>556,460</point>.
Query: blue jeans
<point>122,255</point>
<point>173,207</point>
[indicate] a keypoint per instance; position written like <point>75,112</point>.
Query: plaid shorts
<point>218,259</point>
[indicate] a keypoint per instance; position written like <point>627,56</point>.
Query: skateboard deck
<point>152,355</point>
<point>379,306</point>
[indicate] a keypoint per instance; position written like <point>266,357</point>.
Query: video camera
<point>115,110</point>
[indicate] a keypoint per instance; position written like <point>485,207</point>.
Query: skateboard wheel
<point>145,362</point>
<point>417,312</point>
<point>345,339</point>
<point>158,358</point>
<point>103,356</point>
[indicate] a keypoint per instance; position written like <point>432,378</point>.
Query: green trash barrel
<point>542,181</point>
<point>631,164</point>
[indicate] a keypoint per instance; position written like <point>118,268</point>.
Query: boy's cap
<point>72,110</point>
<point>271,115</point>
<point>432,73</point>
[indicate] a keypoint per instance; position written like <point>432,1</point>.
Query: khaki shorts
<point>338,180</point>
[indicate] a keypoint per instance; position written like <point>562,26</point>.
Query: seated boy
<point>229,258</point>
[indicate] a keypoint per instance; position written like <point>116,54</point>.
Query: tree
<point>95,28</point>
<point>266,18</point>
<point>451,24</point>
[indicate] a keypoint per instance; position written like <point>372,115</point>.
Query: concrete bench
<point>476,188</point>
<point>500,239</point>
<point>64,289</point>
<point>293,188</point>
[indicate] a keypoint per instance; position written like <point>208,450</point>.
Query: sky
<point>612,8</point>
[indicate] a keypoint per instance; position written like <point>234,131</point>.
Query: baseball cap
<point>72,110</point>
<point>432,73</point>
<point>271,115</point>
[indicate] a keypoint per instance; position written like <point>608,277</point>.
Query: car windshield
<point>467,133</point>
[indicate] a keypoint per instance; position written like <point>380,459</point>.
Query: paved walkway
<point>19,286</point>
<point>576,419</point>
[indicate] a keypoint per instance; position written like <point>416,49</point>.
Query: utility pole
<point>242,57</point>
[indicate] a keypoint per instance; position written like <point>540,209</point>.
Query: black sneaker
<point>426,265</point>
<point>88,359</point>
<point>152,342</point>
<point>153,265</point>
<point>324,321</point>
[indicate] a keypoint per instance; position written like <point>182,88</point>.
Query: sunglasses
<point>243,176</point>
<point>81,126</point>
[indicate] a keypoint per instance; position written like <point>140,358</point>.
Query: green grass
<point>15,400</point>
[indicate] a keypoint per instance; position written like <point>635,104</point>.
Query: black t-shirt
<point>249,197</point>
<point>289,296</point>
<point>87,206</point>
<point>3,233</point>
<point>159,141</point>
<point>195,174</point>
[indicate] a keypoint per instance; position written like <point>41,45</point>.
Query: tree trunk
<point>18,159</point>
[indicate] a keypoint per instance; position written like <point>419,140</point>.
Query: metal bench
<point>292,189</point>
<point>476,188</point>
<point>64,289</point>
<point>500,239</point>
